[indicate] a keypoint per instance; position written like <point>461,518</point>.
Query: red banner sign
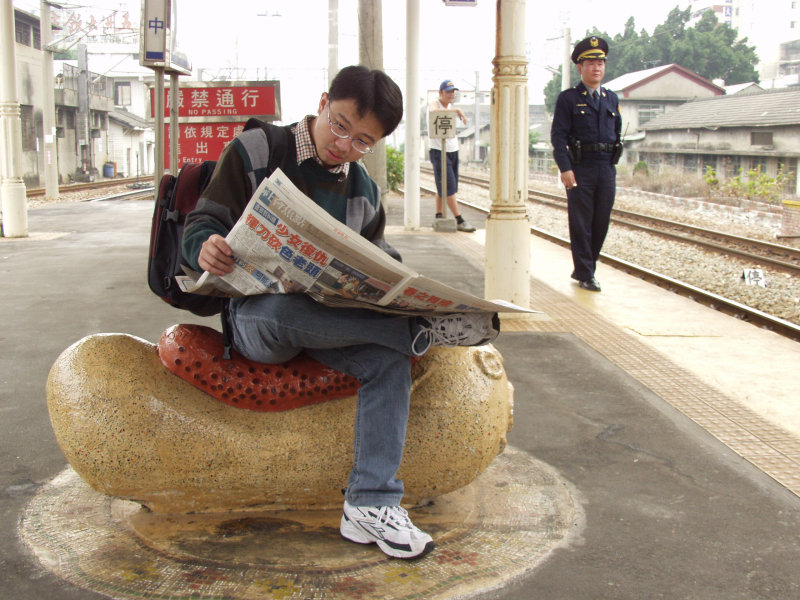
<point>201,141</point>
<point>224,101</point>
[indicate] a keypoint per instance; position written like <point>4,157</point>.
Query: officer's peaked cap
<point>591,47</point>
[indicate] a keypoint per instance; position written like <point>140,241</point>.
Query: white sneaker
<point>387,526</point>
<point>458,329</point>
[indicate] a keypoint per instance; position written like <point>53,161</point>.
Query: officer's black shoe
<point>590,284</point>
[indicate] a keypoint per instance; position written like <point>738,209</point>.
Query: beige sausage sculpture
<point>132,429</point>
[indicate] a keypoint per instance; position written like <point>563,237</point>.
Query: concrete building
<point>648,94</point>
<point>93,143</point>
<point>130,139</point>
<point>723,9</point>
<point>732,134</point>
<point>773,27</point>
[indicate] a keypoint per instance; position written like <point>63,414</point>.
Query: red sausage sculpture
<point>194,353</point>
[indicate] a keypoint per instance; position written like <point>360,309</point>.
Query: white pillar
<point>507,229</point>
<point>174,132</point>
<point>476,149</point>
<point>158,167</point>
<point>48,107</point>
<point>566,60</point>
<point>412,153</point>
<point>370,54</point>
<point>333,40</point>
<point>13,198</point>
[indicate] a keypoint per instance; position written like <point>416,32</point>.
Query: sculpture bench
<point>276,436</point>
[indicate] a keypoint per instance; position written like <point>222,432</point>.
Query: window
<point>759,163</point>
<point>122,94</point>
<point>98,120</point>
<point>647,112</point>
<point>709,160</point>
<point>690,162</point>
<point>66,117</point>
<point>788,167</point>
<point>23,32</point>
<point>761,138</point>
<point>732,166</point>
<point>28,128</point>
<point>27,34</point>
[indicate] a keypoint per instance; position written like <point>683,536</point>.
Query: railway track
<point>92,185</point>
<point>783,257</point>
<point>759,252</point>
<point>725,305</point>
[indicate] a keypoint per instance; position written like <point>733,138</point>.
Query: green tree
<point>551,91</point>
<point>533,139</point>
<point>395,167</point>
<point>710,49</point>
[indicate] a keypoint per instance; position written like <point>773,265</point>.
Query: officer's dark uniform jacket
<point>575,116</point>
<point>590,203</point>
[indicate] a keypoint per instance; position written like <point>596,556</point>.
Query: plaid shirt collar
<point>306,148</point>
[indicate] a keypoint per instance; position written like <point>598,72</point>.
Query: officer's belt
<point>597,147</point>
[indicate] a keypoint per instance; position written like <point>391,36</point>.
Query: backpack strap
<point>277,140</point>
<point>278,143</point>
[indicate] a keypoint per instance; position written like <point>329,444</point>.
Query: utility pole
<point>477,120</point>
<point>49,108</point>
<point>84,121</point>
<point>333,40</point>
<point>370,54</point>
<point>566,61</point>
<point>13,197</point>
<point>412,150</point>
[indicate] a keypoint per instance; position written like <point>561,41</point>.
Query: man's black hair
<point>373,92</point>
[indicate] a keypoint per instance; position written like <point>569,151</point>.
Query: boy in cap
<point>447,93</point>
<point>586,142</point>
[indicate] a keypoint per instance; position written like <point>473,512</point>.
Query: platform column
<point>507,228</point>
<point>412,151</point>
<point>48,108</point>
<point>13,196</point>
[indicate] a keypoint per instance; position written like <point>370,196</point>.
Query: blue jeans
<point>452,171</point>
<point>370,346</point>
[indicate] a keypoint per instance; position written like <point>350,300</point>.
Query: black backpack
<point>176,198</point>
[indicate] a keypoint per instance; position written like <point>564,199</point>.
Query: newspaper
<point>284,243</point>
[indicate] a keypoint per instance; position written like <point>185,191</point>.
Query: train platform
<point>671,432</point>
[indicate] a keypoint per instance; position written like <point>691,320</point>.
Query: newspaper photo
<point>284,243</point>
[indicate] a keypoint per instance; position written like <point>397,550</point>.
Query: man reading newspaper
<point>361,107</point>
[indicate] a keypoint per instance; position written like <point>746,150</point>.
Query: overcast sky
<point>277,36</point>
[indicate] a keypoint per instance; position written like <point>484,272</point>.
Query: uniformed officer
<point>586,147</point>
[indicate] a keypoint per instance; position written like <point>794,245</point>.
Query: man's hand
<point>461,116</point>
<point>216,256</point>
<point>568,179</point>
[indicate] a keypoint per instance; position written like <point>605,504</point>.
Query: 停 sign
<point>442,124</point>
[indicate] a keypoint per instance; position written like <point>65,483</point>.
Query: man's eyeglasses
<point>339,131</point>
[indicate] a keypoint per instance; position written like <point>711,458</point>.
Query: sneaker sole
<point>351,533</point>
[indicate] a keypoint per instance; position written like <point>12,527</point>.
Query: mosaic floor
<point>487,534</point>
